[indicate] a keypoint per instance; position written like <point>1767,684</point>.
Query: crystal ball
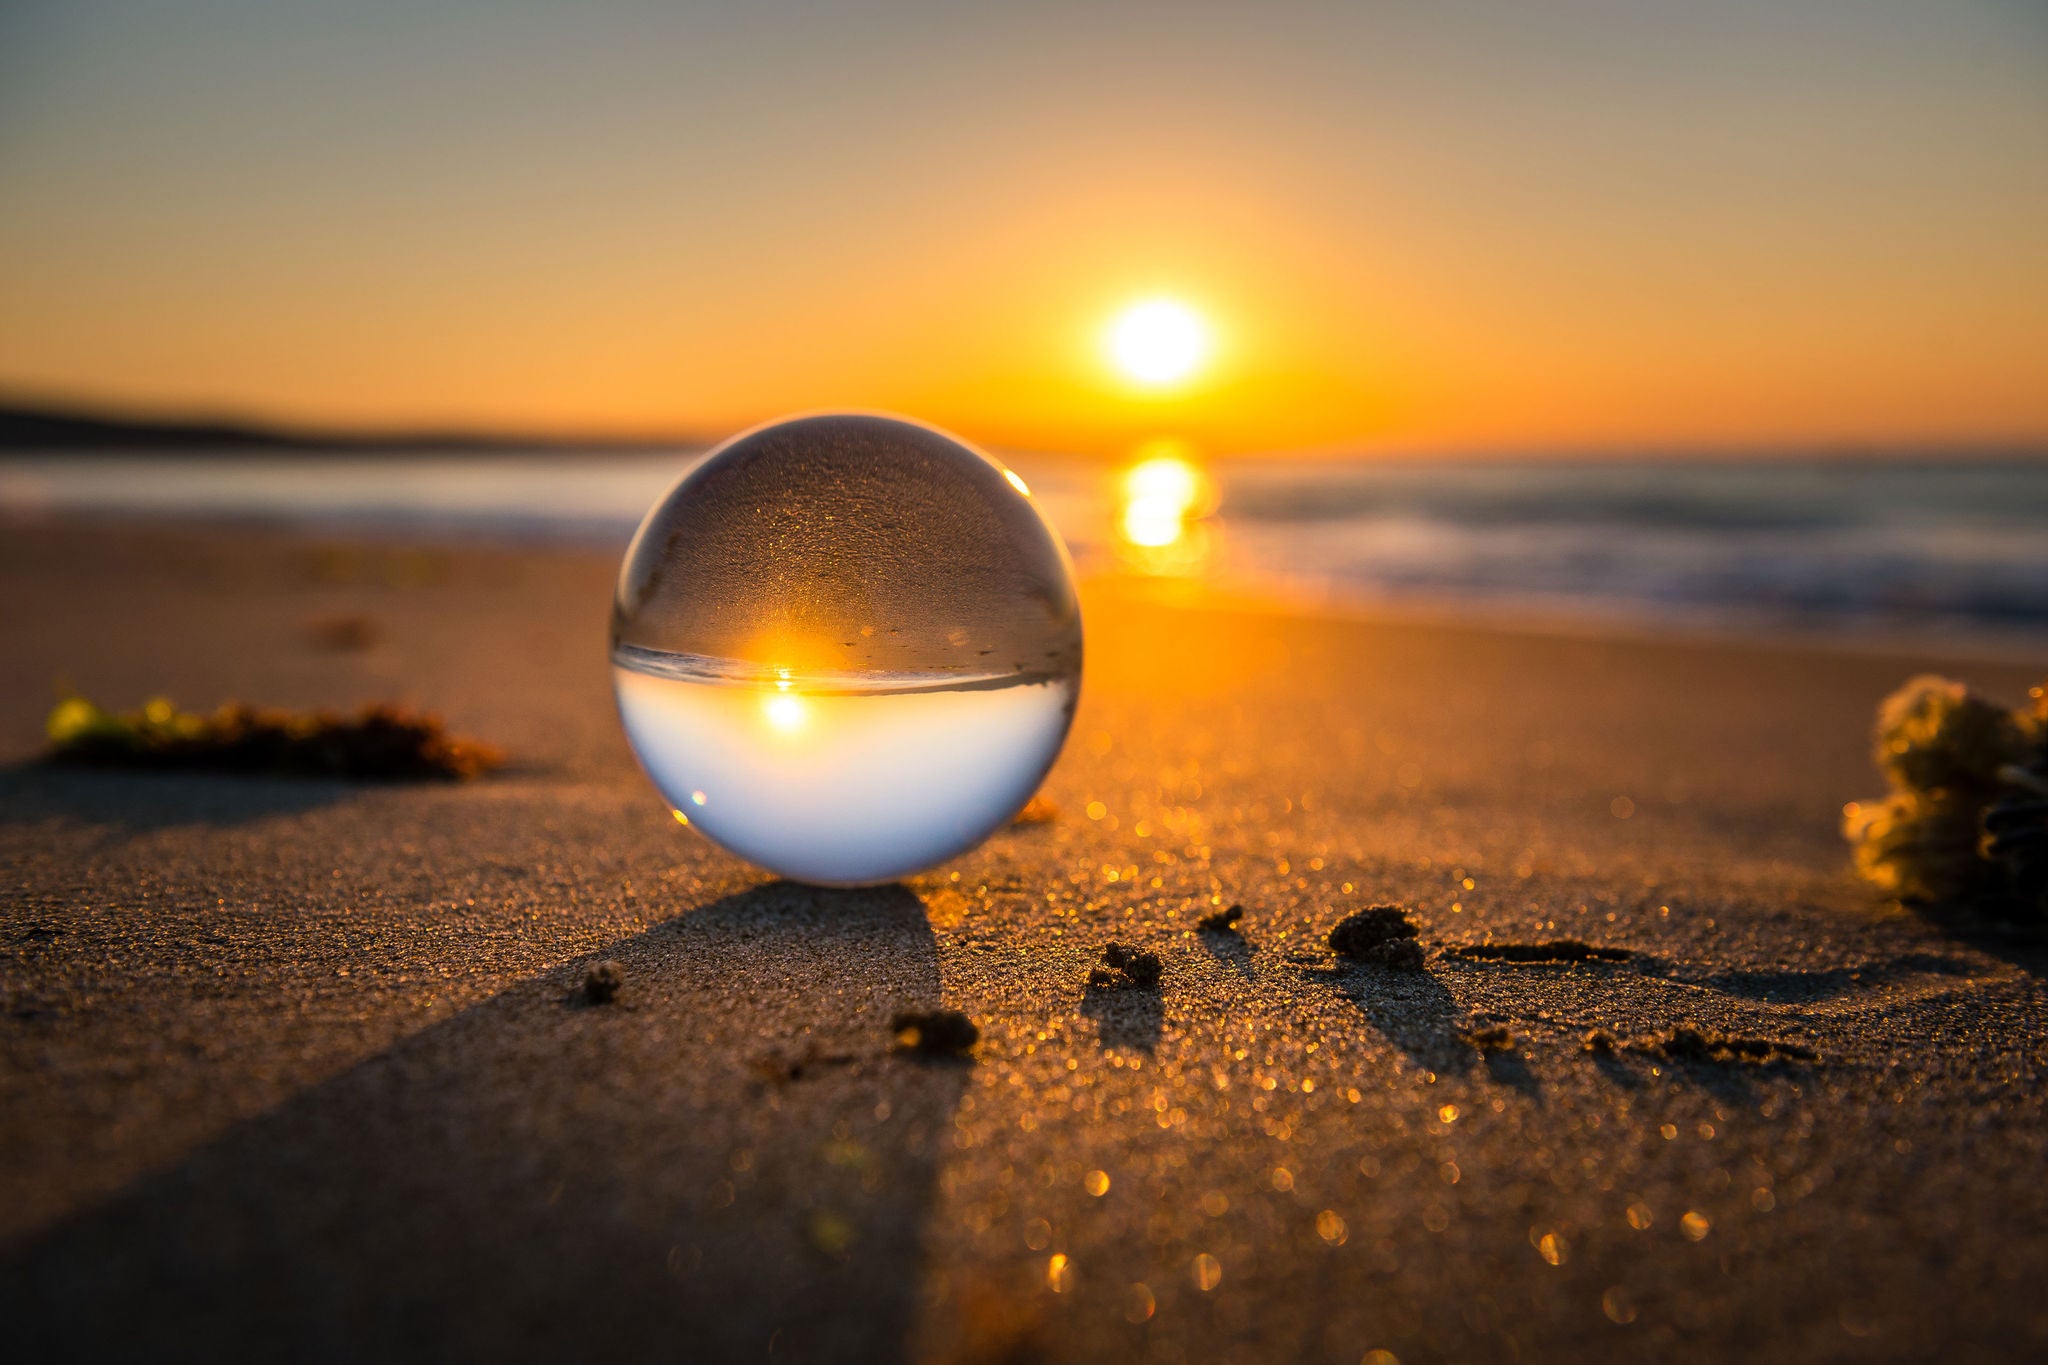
<point>846,647</point>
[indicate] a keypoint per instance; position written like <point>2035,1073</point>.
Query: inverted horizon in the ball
<point>846,647</point>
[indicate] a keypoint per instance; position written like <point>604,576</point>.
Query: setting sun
<point>1158,341</point>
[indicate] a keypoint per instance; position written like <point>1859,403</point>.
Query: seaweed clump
<point>934,1033</point>
<point>1222,922</point>
<point>378,743</point>
<point>1966,819</point>
<point>1124,966</point>
<point>1380,934</point>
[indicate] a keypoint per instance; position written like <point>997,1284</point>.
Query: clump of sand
<point>1692,1043</point>
<point>1126,967</point>
<point>602,981</point>
<point>1379,934</point>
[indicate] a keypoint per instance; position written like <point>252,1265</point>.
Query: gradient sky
<point>1449,226</point>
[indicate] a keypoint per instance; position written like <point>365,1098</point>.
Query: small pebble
<point>937,1033</point>
<point>1368,933</point>
<point>601,983</point>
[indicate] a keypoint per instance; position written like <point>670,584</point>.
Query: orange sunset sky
<point>1458,226</point>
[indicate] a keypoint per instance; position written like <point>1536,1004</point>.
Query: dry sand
<point>296,1070</point>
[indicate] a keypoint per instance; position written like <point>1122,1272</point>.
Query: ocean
<point>1871,548</point>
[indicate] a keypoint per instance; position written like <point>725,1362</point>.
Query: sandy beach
<point>295,1069</point>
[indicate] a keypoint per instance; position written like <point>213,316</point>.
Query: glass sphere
<point>846,647</point>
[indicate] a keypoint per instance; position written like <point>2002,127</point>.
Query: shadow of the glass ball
<point>729,1154</point>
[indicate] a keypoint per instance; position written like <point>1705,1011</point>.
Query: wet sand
<point>300,1069</point>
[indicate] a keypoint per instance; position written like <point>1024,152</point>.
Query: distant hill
<point>35,427</point>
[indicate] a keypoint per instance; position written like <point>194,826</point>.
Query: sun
<point>1158,342</point>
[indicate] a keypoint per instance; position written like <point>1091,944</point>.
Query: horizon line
<point>31,423</point>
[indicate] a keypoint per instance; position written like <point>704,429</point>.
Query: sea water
<point>1930,546</point>
<point>839,779</point>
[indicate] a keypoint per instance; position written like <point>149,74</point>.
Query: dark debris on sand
<point>1691,1043</point>
<point>934,1033</point>
<point>602,981</point>
<point>1491,1038</point>
<point>1379,934</point>
<point>378,743</point>
<point>1126,967</point>
<point>1222,922</point>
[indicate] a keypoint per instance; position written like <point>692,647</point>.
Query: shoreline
<point>1961,644</point>
<point>1538,618</point>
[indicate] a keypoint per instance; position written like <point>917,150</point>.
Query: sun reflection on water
<point>1162,502</point>
<point>785,711</point>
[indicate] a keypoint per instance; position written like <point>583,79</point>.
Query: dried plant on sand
<point>1966,820</point>
<point>378,743</point>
